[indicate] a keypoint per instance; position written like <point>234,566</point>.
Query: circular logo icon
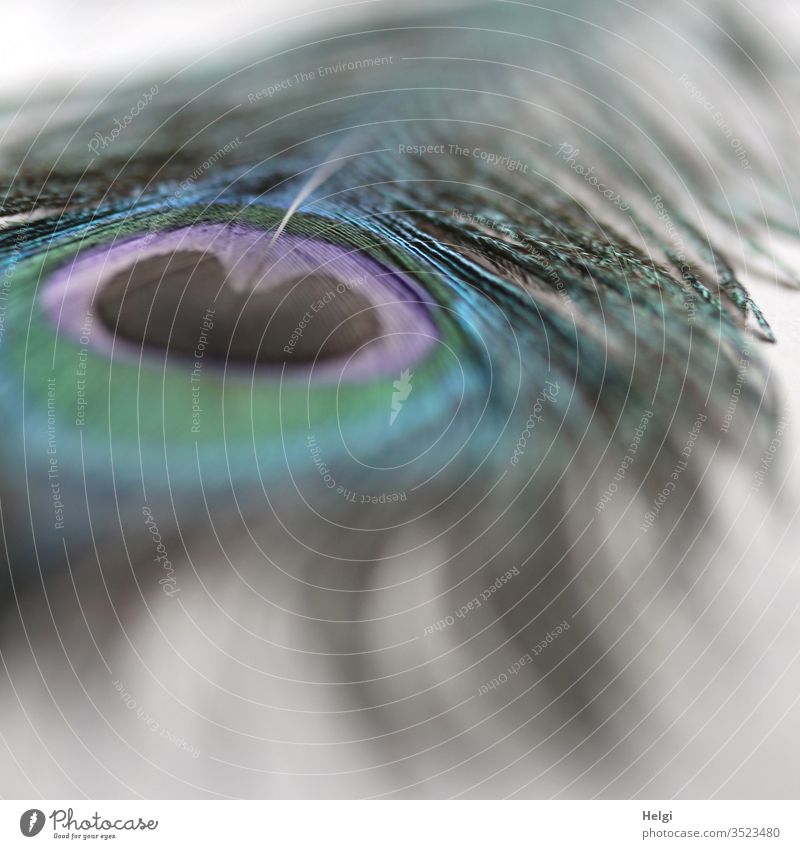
<point>31,822</point>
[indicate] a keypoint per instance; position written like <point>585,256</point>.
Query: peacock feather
<point>374,408</point>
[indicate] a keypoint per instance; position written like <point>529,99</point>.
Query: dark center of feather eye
<point>164,301</point>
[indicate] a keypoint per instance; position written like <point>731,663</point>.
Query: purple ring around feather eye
<point>408,331</point>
